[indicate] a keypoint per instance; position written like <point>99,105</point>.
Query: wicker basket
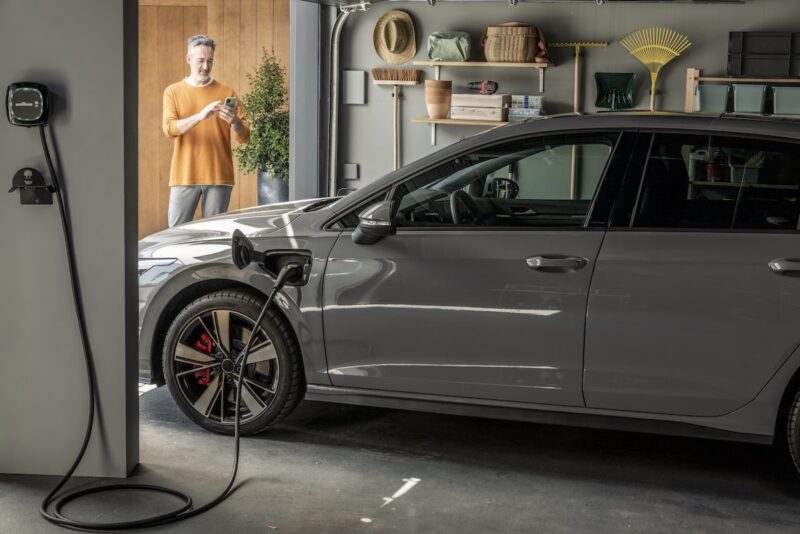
<point>514,42</point>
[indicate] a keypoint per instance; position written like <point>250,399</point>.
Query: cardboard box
<point>480,101</point>
<point>473,113</point>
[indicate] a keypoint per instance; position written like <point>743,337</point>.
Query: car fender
<point>299,306</point>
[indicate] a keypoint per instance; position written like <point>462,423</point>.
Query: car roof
<point>778,127</point>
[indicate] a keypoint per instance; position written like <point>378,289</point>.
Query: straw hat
<point>394,37</point>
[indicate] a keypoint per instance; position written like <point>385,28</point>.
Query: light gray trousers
<point>183,201</point>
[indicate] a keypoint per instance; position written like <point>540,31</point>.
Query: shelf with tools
<point>438,65</point>
<point>694,77</point>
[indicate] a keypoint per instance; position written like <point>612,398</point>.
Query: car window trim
<point>388,190</point>
<point>710,134</point>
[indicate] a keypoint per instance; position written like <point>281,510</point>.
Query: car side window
<point>719,182</point>
<point>547,181</point>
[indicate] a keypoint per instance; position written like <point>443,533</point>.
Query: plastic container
<point>786,100</point>
<point>749,98</point>
<point>712,98</point>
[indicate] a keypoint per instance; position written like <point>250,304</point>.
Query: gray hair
<point>201,40</point>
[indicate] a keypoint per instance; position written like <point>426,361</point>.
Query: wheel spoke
<point>251,400</point>
<point>211,333</point>
<point>222,325</point>
<point>263,352</point>
<point>187,354</point>
<point>190,371</point>
<point>253,383</point>
<point>206,400</point>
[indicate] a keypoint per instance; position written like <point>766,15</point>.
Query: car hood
<point>253,222</point>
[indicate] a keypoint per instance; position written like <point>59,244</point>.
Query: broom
<point>396,78</point>
<point>655,47</point>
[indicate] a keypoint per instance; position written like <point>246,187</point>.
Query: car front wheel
<point>202,358</point>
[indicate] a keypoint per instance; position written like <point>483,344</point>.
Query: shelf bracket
<point>541,80</point>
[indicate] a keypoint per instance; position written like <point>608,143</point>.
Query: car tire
<point>200,370</point>
<point>792,432</point>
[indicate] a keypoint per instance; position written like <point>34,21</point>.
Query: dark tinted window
<point>719,183</point>
<point>537,182</point>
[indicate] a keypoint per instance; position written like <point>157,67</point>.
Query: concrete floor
<point>329,468</point>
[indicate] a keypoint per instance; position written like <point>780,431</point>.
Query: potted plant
<point>267,151</point>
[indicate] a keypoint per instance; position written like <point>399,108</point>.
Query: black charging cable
<point>53,504</point>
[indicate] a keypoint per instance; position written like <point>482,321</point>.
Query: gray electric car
<point>639,272</point>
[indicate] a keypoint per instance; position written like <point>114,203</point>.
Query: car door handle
<point>785,266</point>
<point>556,264</point>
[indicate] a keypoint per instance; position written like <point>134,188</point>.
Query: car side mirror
<point>503,188</point>
<point>374,223</point>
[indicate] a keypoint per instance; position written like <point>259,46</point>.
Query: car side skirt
<point>516,412</point>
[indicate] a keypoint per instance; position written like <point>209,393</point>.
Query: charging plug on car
<point>273,262</point>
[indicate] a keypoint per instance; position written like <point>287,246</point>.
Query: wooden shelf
<point>461,122</point>
<point>493,64</point>
<point>713,79</point>
<point>437,68</point>
<point>694,78</point>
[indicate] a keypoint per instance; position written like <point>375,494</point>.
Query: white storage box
<point>473,113</point>
<point>480,101</point>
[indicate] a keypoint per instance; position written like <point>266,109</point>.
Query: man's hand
<point>228,114</point>
<point>184,125</point>
<point>209,110</point>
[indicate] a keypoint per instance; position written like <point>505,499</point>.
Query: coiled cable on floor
<point>53,504</point>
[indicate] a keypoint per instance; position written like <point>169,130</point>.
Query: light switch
<point>351,171</point>
<point>354,90</point>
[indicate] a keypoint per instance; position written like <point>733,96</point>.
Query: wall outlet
<point>351,171</point>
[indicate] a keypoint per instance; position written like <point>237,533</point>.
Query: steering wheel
<point>464,209</point>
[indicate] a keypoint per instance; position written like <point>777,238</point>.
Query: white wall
<point>75,47</point>
<point>366,130</point>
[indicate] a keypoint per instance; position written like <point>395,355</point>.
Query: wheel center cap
<point>228,366</point>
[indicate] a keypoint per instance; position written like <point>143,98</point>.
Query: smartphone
<point>230,102</point>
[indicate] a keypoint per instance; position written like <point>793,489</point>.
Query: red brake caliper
<point>204,344</point>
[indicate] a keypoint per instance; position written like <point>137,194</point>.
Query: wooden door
<point>241,29</point>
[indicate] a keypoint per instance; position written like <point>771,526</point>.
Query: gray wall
<point>366,131</point>
<point>76,48</point>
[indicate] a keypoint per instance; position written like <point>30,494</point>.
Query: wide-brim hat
<point>394,37</point>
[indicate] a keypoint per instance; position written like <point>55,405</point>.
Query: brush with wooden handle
<point>396,78</point>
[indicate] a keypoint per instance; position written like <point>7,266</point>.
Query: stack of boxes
<point>497,107</point>
<point>525,107</point>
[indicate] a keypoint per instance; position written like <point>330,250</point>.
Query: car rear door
<point>695,300</point>
<point>493,311</point>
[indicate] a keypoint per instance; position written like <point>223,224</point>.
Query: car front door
<point>489,303</point>
<point>695,300</point>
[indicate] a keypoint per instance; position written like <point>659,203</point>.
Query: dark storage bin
<point>764,54</point>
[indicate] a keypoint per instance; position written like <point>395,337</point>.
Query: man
<point>195,114</point>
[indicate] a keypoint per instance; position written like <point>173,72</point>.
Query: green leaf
<point>266,114</point>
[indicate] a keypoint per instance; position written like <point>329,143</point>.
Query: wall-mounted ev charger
<point>27,104</point>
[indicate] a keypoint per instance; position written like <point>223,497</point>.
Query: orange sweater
<point>202,156</point>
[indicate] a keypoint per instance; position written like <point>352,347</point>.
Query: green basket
<point>712,98</point>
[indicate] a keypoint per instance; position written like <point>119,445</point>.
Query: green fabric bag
<point>448,46</point>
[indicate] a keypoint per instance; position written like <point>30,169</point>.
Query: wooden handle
<point>396,125</point>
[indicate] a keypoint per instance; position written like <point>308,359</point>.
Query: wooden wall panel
<point>247,53</point>
<point>171,68</point>
<point>149,109</point>
<point>241,29</point>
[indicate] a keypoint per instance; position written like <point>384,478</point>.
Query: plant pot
<point>271,189</point>
<point>437,97</point>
